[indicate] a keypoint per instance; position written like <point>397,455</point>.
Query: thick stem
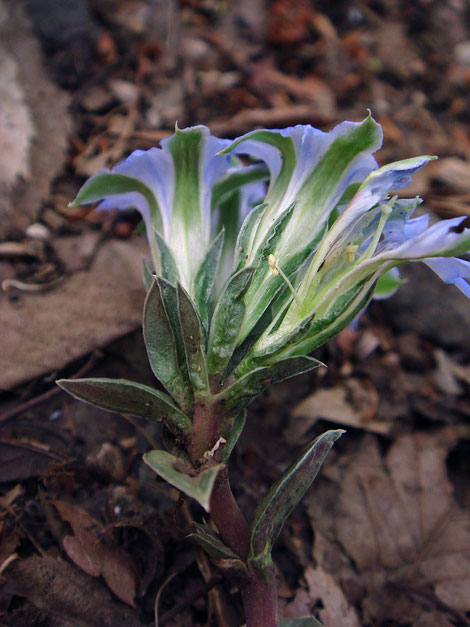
<point>259,595</point>
<point>205,431</point>
<point>228,518</point>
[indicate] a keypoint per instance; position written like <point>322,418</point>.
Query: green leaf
<point>244,389</point>
<point>126,397</point>
<point>227,320</point>
<point>286,493</point>
<point>182,476</point>
<point>169,268</point>
<point>246,236</point>
<point>205,277</point>
<point>212,543</point>
<point>161,347</point>
<point>193,340</point>
<point>110,184</point>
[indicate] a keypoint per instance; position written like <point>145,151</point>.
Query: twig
<point>38,400</point>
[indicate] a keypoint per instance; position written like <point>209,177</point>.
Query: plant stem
<point>259,595</point>
<point>205,431</point>
<point>228,517</point>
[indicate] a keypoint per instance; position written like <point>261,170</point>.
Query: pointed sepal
<point>161,347</point>
<point>193,341</point>
<point>227,320</point>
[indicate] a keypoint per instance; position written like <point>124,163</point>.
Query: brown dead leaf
<point>43,332</point>
<point>60,590</point>
<point>353,403</point>
<point>21,459</point>
<point>95,553</point>
<point>397,520</point>
<point>320,586</point>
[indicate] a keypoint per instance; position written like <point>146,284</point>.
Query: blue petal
<point>153,167</point>
<point>452,270</point>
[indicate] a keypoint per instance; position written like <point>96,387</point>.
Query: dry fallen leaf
<point>96,554</point>
<point>396,519</point>
<point>353,404</point>
<point>64,592</point>
<point>320,586</point>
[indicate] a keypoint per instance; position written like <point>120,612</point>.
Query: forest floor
<point>88,536</point>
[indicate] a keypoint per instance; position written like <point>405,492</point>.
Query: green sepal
<point>286,493</point>
<point>111,184</point>
<point>169,268</point>
<point>204,279</point>
<point>193,341</point>
<point>161,348</point>
<point>227,320</point>
<point>182,476</point>
<point>126,397</point>
<point>244,390</point>
<point>148,274</point>
<point>246,236</point>
<point>212,543</point>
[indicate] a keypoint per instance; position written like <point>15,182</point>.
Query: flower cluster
<point>324,236</point>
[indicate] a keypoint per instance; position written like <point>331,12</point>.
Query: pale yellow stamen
<point>276,270</point>
<point>272,265</point>
<point>350,252</point>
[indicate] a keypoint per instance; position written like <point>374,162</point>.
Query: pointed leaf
<point>205,277</point>
<point>193,340</point>
<point>167,260</point>
<point>244,390</point>
<point>161,347</point>
<point>246,236</point>
<point>212,543</point>
<point>227,320</point>
<point>286,493</point>
<point>183,477</point>
<point>127,397</point>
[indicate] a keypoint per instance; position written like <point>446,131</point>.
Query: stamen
<point>276,270</point>
<point>350,252</point>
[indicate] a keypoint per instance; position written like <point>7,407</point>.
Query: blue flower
<point>173,189</point>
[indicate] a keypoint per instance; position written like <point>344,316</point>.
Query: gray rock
<point>428,307</point>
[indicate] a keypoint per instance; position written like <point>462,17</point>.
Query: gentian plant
<point>247,278</point>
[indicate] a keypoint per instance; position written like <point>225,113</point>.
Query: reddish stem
<point>228,517</point>
<point>259,596</point>
<point>205,431</point>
